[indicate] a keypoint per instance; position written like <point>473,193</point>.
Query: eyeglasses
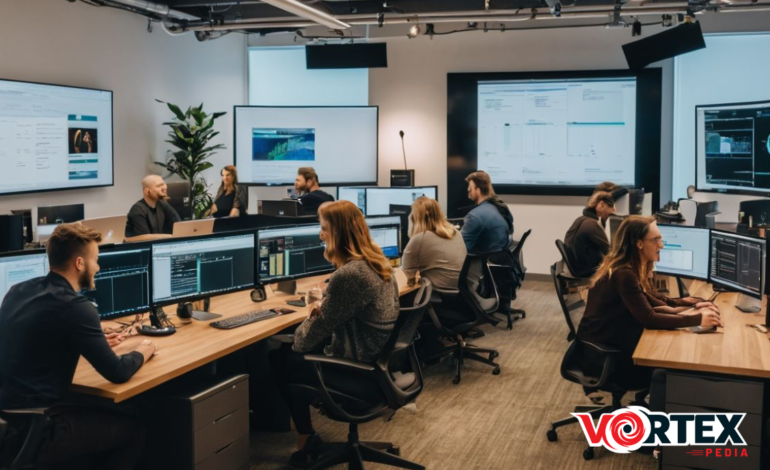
<point>654,240</point>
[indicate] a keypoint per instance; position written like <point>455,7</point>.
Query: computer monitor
<point>194,268</point>
<point>257,221</point>
<point>284,207</point>
<point>21,266</point>
<point>615,221</point>
<point>386,233</point>
<point>738,263</point>
<point>122,285</point>
<point>178,193</point>
<point>49,217</point>
<point>685,252</point>
<point>356,195</point>
<point>289,253</point>
<point>378,200</point>
<point>404,212</point>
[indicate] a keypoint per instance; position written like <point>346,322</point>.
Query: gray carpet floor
<point>486,422</point>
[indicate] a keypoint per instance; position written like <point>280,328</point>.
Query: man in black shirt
<point>586,240</point>
<point>151,214</point>
<point>311,197</point>
<point>45,326</point>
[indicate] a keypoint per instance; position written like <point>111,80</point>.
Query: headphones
<point>184,310</point>
<point>258,294</point>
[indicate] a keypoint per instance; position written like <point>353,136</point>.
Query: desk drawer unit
<point>200,423</point>
<point>689,393</point>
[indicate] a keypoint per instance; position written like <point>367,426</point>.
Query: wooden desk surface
<point>735,349</point>
<point>196,343</point>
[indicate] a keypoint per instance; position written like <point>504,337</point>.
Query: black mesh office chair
<point>519,272</point>
<point>566,285</point>
<point>397,374</point>
<point>573,369</point>
<point>26,434</point>
<point>456,313</point>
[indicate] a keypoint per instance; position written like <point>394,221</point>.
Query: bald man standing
<point>151,214</point>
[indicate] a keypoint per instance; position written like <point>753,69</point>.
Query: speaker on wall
<point>347,56</point>
<point>684,38</point>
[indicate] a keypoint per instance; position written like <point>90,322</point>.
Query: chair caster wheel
<point>456,380</point>
<point>496,371</point>
<point>394,450</point>
<point>588,454</point>
<point>551,435</point>
<point>493,355</point>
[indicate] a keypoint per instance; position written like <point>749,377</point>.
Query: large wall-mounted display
<point>553,133</point>
<point>54,137</point>
<point>732,148</point>
<point>271,143</point>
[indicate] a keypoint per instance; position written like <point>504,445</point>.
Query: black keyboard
<point>245,319</point>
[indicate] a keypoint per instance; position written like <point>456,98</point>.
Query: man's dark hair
<point>69,241</point>
<point>482,181</point>
<point>308,173</point>
<point>601,196</point>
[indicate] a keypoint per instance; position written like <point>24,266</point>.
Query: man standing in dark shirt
<point>45,326</point>
<point>586,240</point>
<point>152,214</point>
<point>311,197</point>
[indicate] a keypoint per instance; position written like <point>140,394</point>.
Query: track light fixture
<point>414,31</point>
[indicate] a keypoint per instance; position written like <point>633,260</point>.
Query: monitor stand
<point>201,315</point>
<point>683,292</point>
<point>161,325</point>
<point>748,304</point>
<point>288,287</point>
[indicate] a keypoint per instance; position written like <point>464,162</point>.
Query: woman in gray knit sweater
<point>357,316</point>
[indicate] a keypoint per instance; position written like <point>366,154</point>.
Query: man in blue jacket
<point>488,228</point>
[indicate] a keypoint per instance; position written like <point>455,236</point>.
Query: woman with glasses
<point>622,303</point>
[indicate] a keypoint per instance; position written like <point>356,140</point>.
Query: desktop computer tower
<point>11,233</point>
<point>179,198</point>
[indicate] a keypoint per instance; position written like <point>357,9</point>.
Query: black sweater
<point>587,244</point>
<point>45,326</point>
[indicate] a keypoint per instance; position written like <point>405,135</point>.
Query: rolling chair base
<point>355,453</point>
<point>594,410</point>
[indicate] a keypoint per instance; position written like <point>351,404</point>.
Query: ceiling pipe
<point>157,8</point>
<point>298,8</point>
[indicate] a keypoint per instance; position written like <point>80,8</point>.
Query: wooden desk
<point>196,343</point>
<point>734,350</point>
<point>726,371</point>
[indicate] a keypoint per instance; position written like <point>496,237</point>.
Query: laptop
<point>286,208</point>
<point>191,228</point>
<point>112,228</point>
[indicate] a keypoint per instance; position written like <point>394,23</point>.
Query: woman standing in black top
<point>621,302</point>
<point>231,198</point>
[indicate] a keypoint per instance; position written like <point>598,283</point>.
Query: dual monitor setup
<point>729,261</point>
<point>139,277</point>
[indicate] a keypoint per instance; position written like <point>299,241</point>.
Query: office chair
<point>398,375</point>
<point>564,282</point>
<point>572,369</point>
<point>38,423</point>
<point>510,270</point>
<point>694,212</point>
<point>455,313</point>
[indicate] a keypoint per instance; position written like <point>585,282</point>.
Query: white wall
<point>75,44</point>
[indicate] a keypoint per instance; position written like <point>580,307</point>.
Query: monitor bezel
<point>400,232</point>
<point>129,247</point>
<point>708,263</point>
<point>366,196</point>
<point>193,298</point>
<point>763,268</point>
<point>326,182</point>
<point>259,282</point>
<point>337,195</point>
<point>762,193</point>
<point>112,130</point>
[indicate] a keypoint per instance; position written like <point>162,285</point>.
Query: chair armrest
<point>285,338</point>
<point>339,361</point>
<point>27,411</point>
<point>601,348</point>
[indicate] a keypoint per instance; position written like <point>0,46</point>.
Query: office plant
<point>191,134</point>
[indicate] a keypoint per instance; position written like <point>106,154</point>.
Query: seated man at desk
<point>586,239</point>
<point>488,228</point>
<point>151,215</point>
<point>45,326</point>
<point>310,194</point>
<point>357,315</point>
<point>621,304</point>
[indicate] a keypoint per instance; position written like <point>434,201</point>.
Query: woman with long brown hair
<point>436,249</point>
<point>621,302</point>
<point>357,314</point>
<point>230,200</point>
